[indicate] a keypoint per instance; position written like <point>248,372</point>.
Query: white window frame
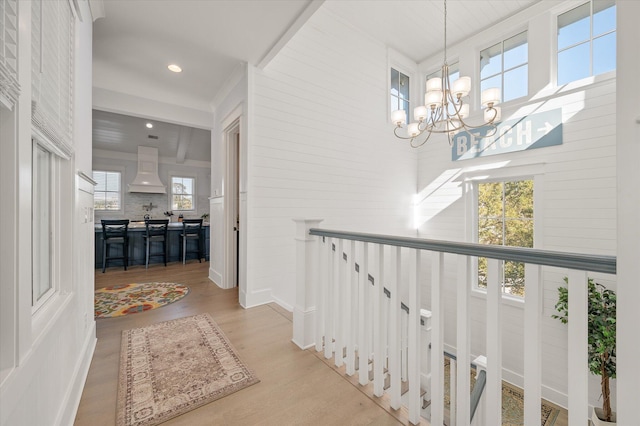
<point>407,67</point>
<point>555,51</point>
<point>486,174</point>
<point>502,71</point>
<point>121,192</point>
<point>53,206</point>
<point>194,195</point>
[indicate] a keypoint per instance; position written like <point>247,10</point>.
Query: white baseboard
<point>282,303</point>
<point>255,298</point>
<point>216,277</point>
<point>72,399</point>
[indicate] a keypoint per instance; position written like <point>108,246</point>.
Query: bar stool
<point>115,232</point>
<point>191,230</point>
<point>156,232</point>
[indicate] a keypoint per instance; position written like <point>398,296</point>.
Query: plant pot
<point>595,418</point>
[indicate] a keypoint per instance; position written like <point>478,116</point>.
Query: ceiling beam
<point>184,140</point>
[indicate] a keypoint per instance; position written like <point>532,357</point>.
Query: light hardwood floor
<point>296,387</point>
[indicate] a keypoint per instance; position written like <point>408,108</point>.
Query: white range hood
<point>147,179</point>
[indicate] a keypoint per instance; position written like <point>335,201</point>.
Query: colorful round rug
<point>132,298</point>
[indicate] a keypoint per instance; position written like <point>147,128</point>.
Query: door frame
<point>233,177</point>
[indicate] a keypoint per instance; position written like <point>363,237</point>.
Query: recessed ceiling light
<point>149,126</point>
<point>174,68</point>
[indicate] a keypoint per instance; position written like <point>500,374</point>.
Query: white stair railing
<point>348,306</point>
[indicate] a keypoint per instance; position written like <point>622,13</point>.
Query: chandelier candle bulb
<point>490,97</point>
<point>492,115</point>
<point>464,111</point>
<point>434,84</point>
<point>420,113</point>
<point>413,130</point>
<point>462,86</point>
<point>399,117</point>
<point>432,98</point>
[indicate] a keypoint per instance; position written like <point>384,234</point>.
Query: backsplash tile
<point>134,210</point>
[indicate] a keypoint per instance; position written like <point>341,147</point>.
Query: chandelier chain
<point>445,31</point>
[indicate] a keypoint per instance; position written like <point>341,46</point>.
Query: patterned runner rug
<point>173,367</point>
<point>126,299</point>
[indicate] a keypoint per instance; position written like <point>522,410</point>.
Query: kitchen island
<point>137,249</point>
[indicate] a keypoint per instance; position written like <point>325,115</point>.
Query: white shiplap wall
<point>320,146</point>
<point>576,210</point>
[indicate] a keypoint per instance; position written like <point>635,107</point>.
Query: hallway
<point>296,387</point>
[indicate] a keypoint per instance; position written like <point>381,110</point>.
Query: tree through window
<point>505,218</point>
<point>182,190</point>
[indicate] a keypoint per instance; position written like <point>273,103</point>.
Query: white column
<point>395,331</point>
<point>437,346</point>
<point>577,352</point>
<point>414,338</point>
<point>463,341</point>
<point>493,390</point>
<point>304,311</point>
<point>378,349</point>
<point>628,200</point>
<point>532,344</point>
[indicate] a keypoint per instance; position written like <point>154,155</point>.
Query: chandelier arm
<point>395,132</point>
<point>413,145</point>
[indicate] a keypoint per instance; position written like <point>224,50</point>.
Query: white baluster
<point>414,338</point>
<point>351,311</point>
<point>378,295</point>
<point>363,305</point>
<point>453,391</point>
<point>463,341</point>
<point>338,291</point>
<point>578,346</point>
<point>404,343</point>
<point>394,331</point>
<point>493,389</point>
<point>425,353</point>
<point>532,344</point>
<point>320,293</point>
<point>437,346</point>
<point>328,319</point>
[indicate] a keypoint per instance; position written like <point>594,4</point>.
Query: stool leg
<point>125,250</point>
<point>147,257</point>
<point>184,249</point>
<point>104,255</point>
<point>164,250</point>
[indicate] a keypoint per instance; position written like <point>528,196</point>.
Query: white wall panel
<point>321,146</point>
<point>577,207</point>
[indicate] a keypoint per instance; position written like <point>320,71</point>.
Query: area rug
<point>173,367</point>
<point>127,299</point>
<point>512,402</point>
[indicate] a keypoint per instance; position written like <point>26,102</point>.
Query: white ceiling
<point>123,133</point>
<point>209,39</point>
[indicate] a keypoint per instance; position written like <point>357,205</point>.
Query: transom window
<point>182,193</point>
<point>587,41</point>
<point>400,92</point>
<point>107,194</point>
<point>505,218</point>
<point>505,65</point>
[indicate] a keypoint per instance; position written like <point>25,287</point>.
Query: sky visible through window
<point>586,41</point>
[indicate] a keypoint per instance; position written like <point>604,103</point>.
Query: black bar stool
<point>191,230</point>
<point>156,232</point>
<point>115,232</point>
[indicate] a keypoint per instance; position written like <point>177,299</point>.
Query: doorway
<point>232,204</point>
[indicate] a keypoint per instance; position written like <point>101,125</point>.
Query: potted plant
<point>205,216</point>
<point>602,340</point>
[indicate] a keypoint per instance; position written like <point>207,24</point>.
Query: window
<point>505,217</point>
<point>182,193</point>
<point>42,225</point>
<point>107,195</point>
<point>454,72</point>
<point>400,92</point>
<point>587,41</point>
<point>505,66</point>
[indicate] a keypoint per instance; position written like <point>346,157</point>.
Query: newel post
<point>304,311</point>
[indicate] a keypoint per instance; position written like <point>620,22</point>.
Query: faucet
<point>149,206</point>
